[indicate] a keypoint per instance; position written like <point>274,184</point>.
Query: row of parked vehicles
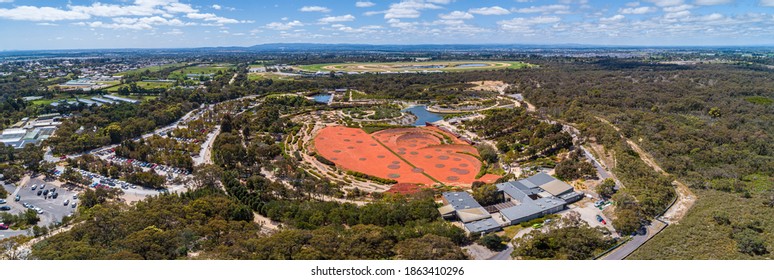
<point>105,182</point>
<point>154,166</point>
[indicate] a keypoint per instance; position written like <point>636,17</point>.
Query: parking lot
<point>51,209</point>
<point>167,171</point>
<point>589,213</point>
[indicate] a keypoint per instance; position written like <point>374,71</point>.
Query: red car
<point>63,157</point>
<point>3,226</point>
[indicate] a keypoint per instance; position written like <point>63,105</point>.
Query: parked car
<point>75,196</point>
<point>42,187</point>
<point>45,192</point>
<point>3,226</point>
<point>34,187</point>
<point>73,205</point>
<point>17,198</point>
<point>67,201</point>
<point>55,195</point>
<point>5,208</point>
<point>39,192</point>
<point>2,201</point>
<point>40,211</point>
<point>599,219</point>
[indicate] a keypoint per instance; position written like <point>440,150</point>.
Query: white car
<point>40,211</point>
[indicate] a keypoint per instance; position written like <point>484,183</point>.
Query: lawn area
<point>449,66</point>
<point>43,102</point>
<point>203,69</point>
<point>145,85</point>
<point>151,68</point>
<point>267,75</point>
<point>510,231</point>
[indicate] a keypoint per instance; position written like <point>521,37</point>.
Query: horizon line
<point>550,45</point>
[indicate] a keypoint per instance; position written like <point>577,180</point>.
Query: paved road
<point>602,172</point>
<point>504,254</point>
<point>627,249</point>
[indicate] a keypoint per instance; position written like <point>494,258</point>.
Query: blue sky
<point>79,24</point>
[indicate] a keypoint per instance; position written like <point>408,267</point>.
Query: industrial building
<point>30,131</point>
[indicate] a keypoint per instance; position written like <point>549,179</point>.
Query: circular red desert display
<point>407,155</point>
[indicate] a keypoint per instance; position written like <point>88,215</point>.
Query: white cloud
<point>768,3</point>
<point>613,18</point>
<point>348,29</point>
<point>180,8</point>
<point>677,15</point>
<point>31,13</point>
<point>315,9</point>
<point>284,25</point>
<point>666,3</point>
<point>680,8</point>
<point>638,10</point>
<point>411,8</point>
<point>712,2</point>
<point>524,25</point>
<point>217,7</point>
<point>397,23</point>
<point>712,17</point>
<point>456,15</point>
<point>109,10</point>
<point>364,4</point>
<point>6,1</point>
<point>337,19</point>
<point>145,23</point>
<point>633,4</point>
<point>547,9</point>
<point>490,11</point>
<point>213,18</point>
<point>174,32</point>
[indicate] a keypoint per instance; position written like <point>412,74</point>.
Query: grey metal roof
<point>461,200</point>
<point>530,207</point>
<point>540,179</point>
<point>482,225</point>
<point>121,99</point>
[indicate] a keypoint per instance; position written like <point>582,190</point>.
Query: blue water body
<point>322,98</point>
<point>423,115</point>
<point>472,65</point>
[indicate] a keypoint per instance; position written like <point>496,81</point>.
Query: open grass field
<point>151,68</point>
<point>203,69</point>
<point>415,66</point>
<point>407,155</point>
<point>268,75</point>
<point>145,85</point>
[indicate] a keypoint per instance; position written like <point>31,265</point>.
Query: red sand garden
<point>407,155</point>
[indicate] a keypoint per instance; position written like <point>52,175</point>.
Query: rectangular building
<point>535,197</point>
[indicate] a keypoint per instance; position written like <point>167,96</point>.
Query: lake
<point>472,65</point>
<point>423,115</point>
<point>322,98</point>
